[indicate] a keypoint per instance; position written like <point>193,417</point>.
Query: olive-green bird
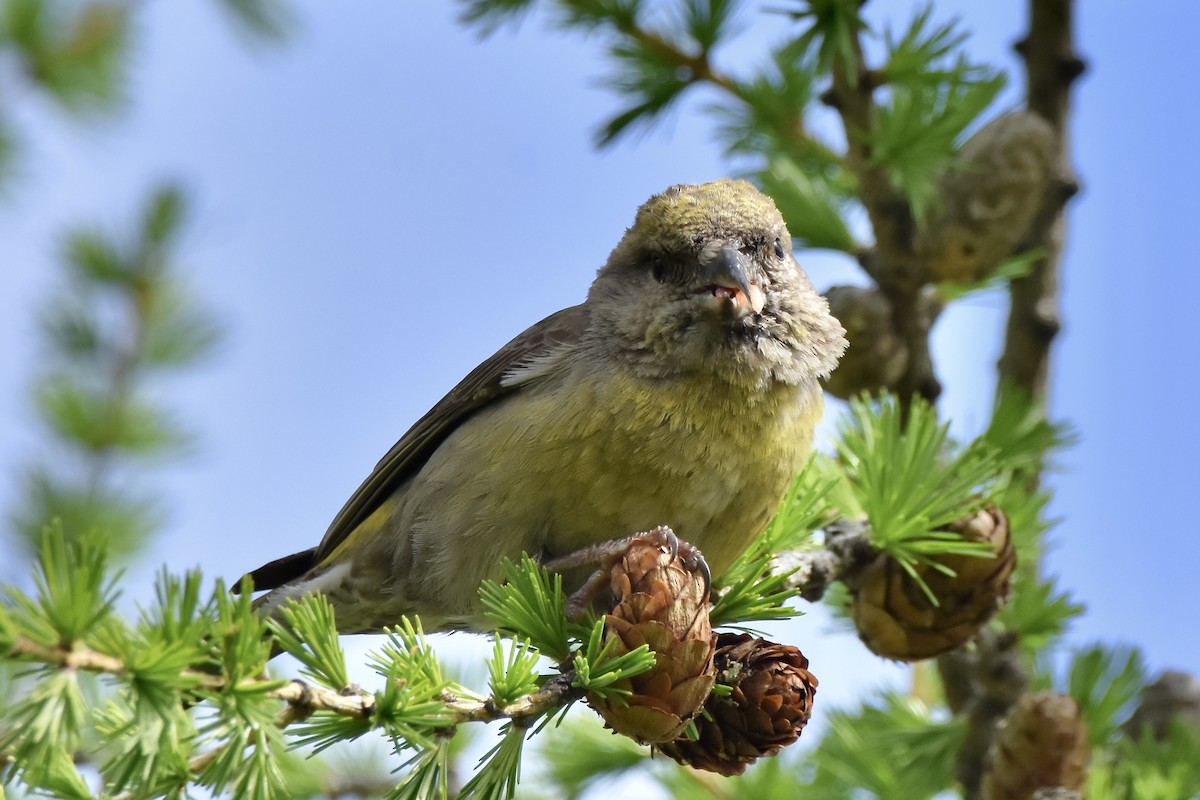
<point>683,391</point>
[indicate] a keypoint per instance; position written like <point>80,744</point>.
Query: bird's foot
<point>606,554</point>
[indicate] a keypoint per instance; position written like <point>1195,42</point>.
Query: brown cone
<point>894,617</point>
<point>1174,695</point>
<point>990,199</point>
<point>878,356</point>
<point>770,703</point>
<point>663,604</point>
<point>1042,743</point>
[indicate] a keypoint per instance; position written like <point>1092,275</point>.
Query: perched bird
<point>683,391</point>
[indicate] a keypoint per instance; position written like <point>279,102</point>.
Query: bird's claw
<point>605,554</point>
<point>689,555</point>
<point>661,536</point>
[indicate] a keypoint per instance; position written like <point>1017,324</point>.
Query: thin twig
<point>700,70</point>
<point>891,216</point>
<point>557,693</point>
<point>893,262</point>
<point>847,551</point>
<point>76,657</point>
<point>304,699</point>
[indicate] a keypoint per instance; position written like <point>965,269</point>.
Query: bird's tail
<point>276,573</point>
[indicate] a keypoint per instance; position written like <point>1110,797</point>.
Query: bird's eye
<point>658,268</point>
<point>778,248</point>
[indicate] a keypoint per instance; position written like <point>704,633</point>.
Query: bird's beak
<point>725,276</point>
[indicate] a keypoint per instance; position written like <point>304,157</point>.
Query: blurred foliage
<point>1105,681</point>
<point>1149,769</point>
<point>580,755</point>
<point>808,205</point>
<point>1038,610</point>
<point>122,319</point>
<point>76,53</point>
<point>934,93</point>
<point>889,748</point>
<point>892,748</point>
<point>261,19</point>
<point>834,27</point>
<point>1128,764</point>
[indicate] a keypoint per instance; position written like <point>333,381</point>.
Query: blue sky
<point>382,202</point>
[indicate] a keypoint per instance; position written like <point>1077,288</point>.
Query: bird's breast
<point>593,457</point>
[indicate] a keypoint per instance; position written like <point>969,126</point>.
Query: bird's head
<point>704,280</point>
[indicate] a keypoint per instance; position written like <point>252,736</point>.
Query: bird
<point>682,392</point>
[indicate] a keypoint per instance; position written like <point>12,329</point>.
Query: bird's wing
<point>481,387</point>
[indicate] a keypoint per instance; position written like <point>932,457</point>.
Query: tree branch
<point>697,64</point>
<point>847,550</point>
<point>893,262</point>
<point>700,69</point>
<point>1051,67</point>
<point>557,693</point>
<point>891,216</point>
<point>981,685</point>
<point>304,699</point>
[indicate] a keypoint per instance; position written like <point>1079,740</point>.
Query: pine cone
<point>1042,743</point>
<point>894,617</point>
<point>769,706</point>
<point>660,602</point>
<point>877,356</point>
<point>989,200</point>
<point>1175,695</point>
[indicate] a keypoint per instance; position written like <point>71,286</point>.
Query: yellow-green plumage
<point>664,399</point>
<point>706,210</point>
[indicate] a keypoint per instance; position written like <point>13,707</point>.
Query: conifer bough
<point>899,618</point>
